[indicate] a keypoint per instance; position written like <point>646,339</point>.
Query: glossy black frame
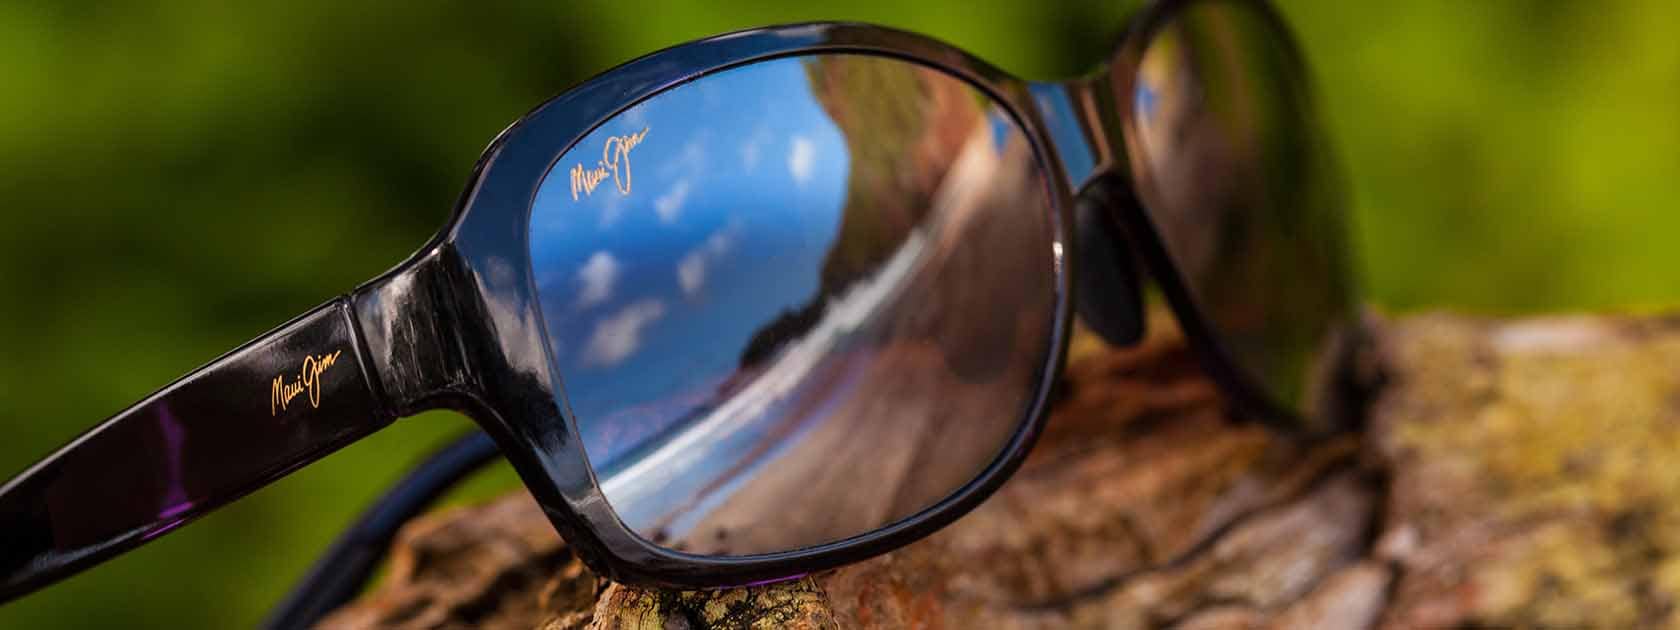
<point>457,326</point>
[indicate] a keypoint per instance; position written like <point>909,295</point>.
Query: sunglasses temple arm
<point>246,419</point>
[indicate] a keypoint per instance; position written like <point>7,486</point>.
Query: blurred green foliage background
<point>179,177</point>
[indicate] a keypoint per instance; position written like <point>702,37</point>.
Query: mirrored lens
<point>1232,168</point>
<point>798,300</point>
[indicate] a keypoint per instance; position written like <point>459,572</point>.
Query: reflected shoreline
<point>769,353</point>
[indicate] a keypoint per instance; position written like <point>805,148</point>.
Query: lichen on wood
<point>1510,473</point>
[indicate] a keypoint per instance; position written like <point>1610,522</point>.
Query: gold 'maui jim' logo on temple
<point>308,382</point>
<point>614,165</point>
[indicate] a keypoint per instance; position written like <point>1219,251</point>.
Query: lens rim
<point>1028,389</point>
<point>488,241</point>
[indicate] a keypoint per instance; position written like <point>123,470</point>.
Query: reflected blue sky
<point>1055,108</point>
<point>735,195</point>
<point>705,225</point>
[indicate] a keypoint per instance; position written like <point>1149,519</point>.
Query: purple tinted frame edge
<point>457,326</point>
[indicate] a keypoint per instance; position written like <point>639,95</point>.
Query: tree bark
<point>1509,473</point>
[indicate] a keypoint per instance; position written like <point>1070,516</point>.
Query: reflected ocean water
<point>795,301</point>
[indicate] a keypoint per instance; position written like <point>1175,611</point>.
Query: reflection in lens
<point>1233,171</point>
<point>796,301</point>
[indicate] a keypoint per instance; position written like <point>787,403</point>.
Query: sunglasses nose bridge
<point>1083,134</point>
<point>1082,127</point>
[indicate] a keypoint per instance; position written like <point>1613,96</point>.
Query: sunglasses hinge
<point>412,322</point>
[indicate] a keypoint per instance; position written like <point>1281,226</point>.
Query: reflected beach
<point>813,298</point>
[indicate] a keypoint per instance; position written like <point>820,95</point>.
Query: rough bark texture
<point>1510,474</point>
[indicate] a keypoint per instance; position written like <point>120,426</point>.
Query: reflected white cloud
<point>597,276</point>
<point>618,336</point>
<point>669,205</point>
<point>691,270</point>
<point>753,148</point>
<point>802,158</point>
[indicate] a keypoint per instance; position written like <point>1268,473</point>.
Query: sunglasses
<point>784,299</point>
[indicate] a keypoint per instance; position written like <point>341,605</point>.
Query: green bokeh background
<point>180,177</point>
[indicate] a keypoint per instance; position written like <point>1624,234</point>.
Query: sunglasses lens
<point>798,300</point>
<point>1233,171</point>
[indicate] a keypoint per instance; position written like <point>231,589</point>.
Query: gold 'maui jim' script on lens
<point>614,165</point>
<point>308,381</point>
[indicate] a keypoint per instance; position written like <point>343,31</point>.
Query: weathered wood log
<point>1509,474</point>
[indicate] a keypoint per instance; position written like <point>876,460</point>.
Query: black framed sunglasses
<point>779,300</point>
